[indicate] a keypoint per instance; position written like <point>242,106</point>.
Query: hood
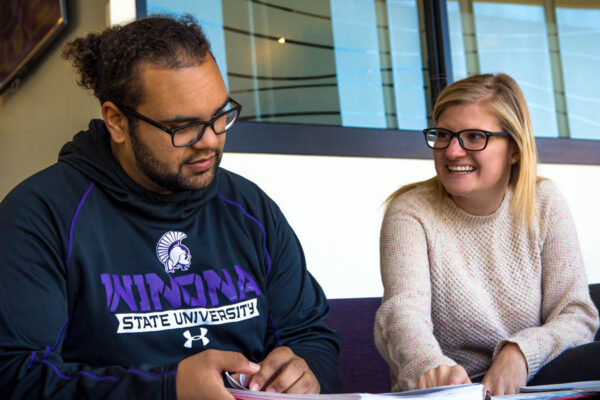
<point>90,153</point>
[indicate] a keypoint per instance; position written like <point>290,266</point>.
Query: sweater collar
<point>458,213</point>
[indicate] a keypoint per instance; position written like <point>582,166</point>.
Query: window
<point>552,52</point>
<point>357,77</point>
<point>339,62</point>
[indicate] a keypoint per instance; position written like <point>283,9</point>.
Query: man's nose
<point>209,139</point>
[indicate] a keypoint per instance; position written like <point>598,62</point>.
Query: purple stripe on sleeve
<point>31,360</point>
<point>60,335</point>
<point>275,331</point>
<point>257,222</point>
<point>60,375</point>
<point>150,375</point>
<point>98,378</point>
<point>85,195</point>
<point>69,248</point>
<point>107,377</point>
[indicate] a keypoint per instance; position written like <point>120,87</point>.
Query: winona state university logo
<point>151,302</point>
<point>171,253</point>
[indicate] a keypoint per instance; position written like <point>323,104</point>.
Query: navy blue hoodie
<point>105,286</point>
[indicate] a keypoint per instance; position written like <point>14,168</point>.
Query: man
<point>135,266</point>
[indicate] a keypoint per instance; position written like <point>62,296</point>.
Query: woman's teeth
<point>462,169</point>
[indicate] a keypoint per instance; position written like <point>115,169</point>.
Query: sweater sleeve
<point>297,309</point>
<point>403,326</point>
<point>569,318</point>
<point>34,317</point>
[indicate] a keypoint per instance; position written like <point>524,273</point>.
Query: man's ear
<point>115,121</point>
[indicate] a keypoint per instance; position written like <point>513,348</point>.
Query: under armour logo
<point>190,338</point>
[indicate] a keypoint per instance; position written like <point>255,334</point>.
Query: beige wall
<point>334,205</point>
<point>49,107</point>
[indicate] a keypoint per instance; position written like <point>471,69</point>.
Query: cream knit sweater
<point>457,287</point>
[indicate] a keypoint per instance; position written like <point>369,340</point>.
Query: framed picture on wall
<point>26,29</point>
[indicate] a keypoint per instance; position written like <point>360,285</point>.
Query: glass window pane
<point>511,38</point>
<point>459,65</point>
<point>552,52</point>
<point>336,62</point>
<point>357,63</point>
<point>209,14</point>
<point>579,36</point>
<point>407,64</point>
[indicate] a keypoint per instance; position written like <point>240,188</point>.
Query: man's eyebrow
<point>185,118</point>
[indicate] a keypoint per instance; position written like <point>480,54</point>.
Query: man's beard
<point>159,173</point>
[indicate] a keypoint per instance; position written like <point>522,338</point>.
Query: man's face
<point>176,97</point>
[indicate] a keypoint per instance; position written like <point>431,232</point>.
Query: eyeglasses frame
<point>172,131</point>
<point>456,135</point>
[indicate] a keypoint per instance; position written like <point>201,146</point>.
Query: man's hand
<point>199,376</point>
<point>508,371</point>
<point>443,375</point>
<point>284,372</point>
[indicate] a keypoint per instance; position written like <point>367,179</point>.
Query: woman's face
<point>476,180</point>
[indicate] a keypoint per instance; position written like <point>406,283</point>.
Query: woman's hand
<point>508,371</point>
<point>443,375</point>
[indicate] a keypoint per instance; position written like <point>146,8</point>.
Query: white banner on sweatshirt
<point>185,318</point>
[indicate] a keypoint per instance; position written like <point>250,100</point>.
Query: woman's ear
<point>515,154</point>
<point>115,121</point>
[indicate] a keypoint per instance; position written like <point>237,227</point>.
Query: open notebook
<point>586,386</point>
<point>571,390</point>
<point>462,392</point>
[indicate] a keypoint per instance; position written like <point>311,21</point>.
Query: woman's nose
<point>454,149</point>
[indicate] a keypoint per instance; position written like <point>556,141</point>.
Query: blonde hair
<point>503,97</point>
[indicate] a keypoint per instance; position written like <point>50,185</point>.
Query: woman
<point>481,267</point>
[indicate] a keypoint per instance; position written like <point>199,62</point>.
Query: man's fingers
<point>306,384</point>
<point>284,372</point>
<point>247,378</point>
<point>201,373</point>
<point>236,362</point>
<point>292,374</point>
<point>270,367</point>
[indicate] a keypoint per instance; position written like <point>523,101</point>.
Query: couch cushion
<point>361,367</point>
<point>595,295</point>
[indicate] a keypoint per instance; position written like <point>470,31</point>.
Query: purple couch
<point>360,366</point>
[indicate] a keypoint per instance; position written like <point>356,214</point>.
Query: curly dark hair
<point>108,62</point>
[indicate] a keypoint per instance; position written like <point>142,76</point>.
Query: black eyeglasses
<point>469,139</point>
<point>188,134</point>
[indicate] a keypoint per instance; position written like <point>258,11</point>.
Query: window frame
<point>332,140</point>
